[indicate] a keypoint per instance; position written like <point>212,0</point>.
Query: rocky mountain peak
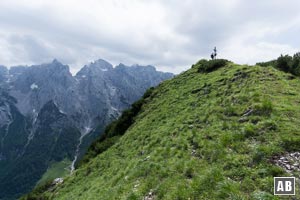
<point>95,68</point>
<point>100,66</point>
<point>121,66</point>
<point>55,67</point>
<point>55,61</point>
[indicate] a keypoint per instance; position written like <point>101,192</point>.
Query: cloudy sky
<point>169,34</point>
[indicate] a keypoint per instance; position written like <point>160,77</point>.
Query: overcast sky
<point>169,34</point>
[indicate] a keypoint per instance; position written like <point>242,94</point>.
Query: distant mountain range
<point>48,116</point>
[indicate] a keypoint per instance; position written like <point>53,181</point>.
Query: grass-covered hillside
<point>212,132</point>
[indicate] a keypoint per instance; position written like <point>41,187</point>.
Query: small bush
<point>265,108</point>
<point>295,67</point>
<point>284,63</point>
<point>205,66</point>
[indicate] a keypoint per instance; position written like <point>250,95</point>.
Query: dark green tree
<point>296,64</point>
<point>284,63</point>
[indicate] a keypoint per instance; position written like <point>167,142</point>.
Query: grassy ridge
<point>201,136</point>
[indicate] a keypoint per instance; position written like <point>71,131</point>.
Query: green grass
<point>56,170</point>
<point>192,140</point>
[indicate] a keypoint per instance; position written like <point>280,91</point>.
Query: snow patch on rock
<point>34,86</point>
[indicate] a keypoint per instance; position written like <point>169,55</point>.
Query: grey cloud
<point>188,31</point>
<point>34,49</point>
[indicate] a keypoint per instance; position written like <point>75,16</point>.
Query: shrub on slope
<point>205,66</point>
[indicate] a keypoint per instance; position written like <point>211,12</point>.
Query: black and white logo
<point>284,185</point>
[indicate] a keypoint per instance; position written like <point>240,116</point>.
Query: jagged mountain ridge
<point>43,105</point>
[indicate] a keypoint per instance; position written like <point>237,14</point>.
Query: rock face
<point>47,115</point>
<point>290,162</point>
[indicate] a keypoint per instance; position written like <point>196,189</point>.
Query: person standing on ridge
<point>215,53</point>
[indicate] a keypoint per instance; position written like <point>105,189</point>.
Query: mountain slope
<point>213,135</point>
<point>48,117</point>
